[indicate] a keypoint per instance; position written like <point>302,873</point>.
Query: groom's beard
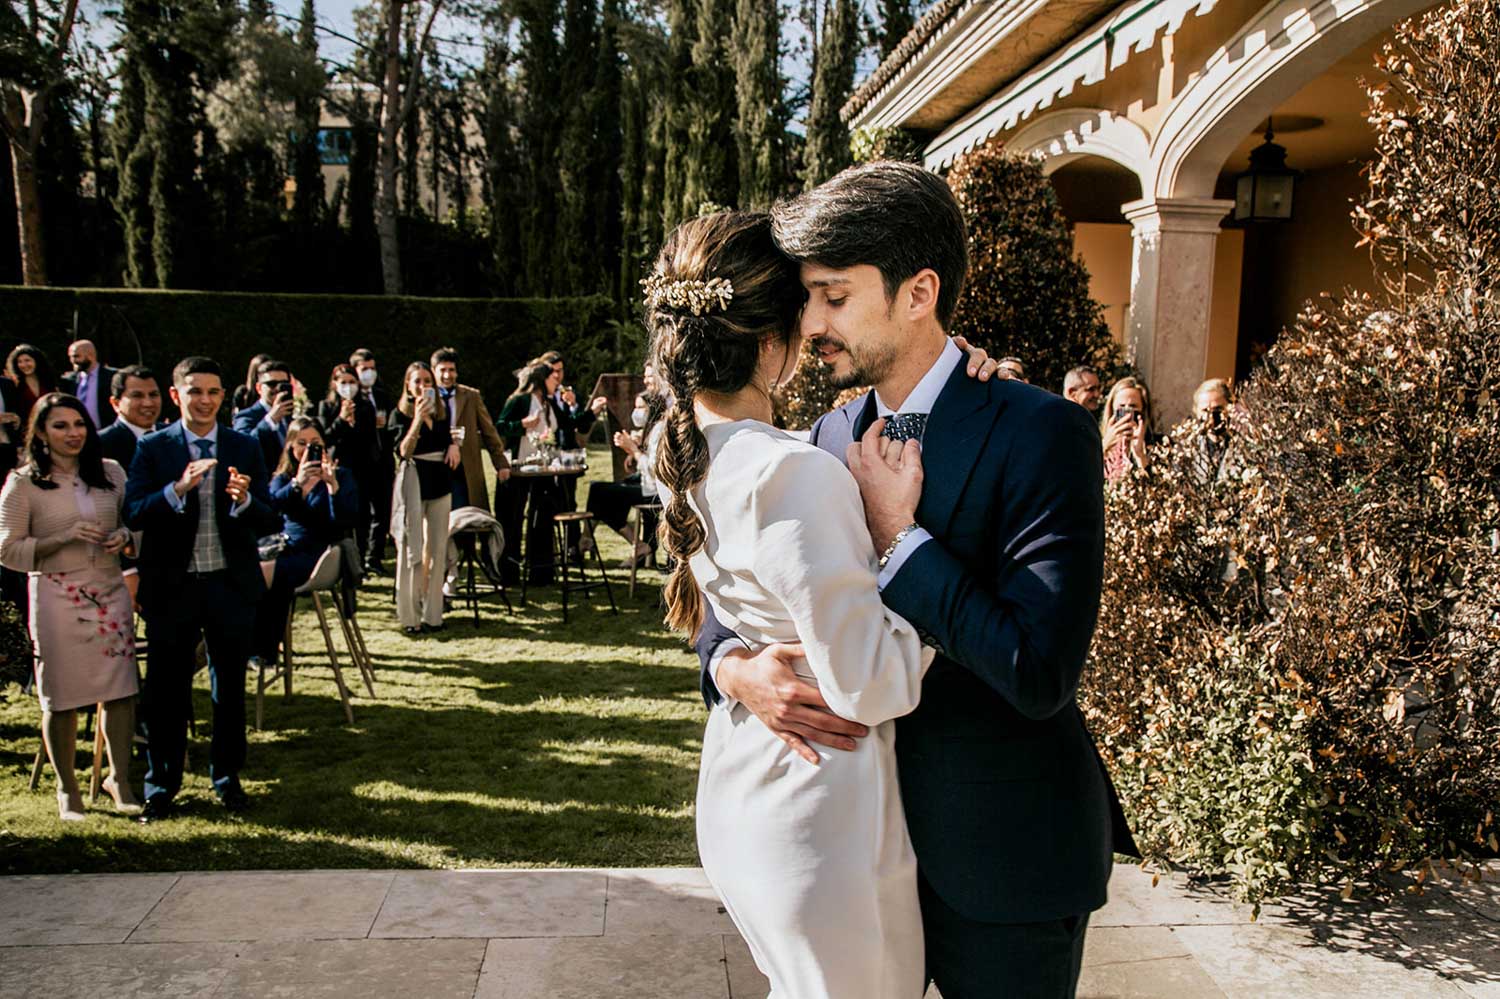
<point>868,364</point>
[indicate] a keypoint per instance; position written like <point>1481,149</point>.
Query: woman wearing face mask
<point>611,501</point>
<point>347,417</point>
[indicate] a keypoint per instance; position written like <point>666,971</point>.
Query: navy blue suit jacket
<point>249,421</point>
<point>167,545</point>
<point>1011,812</point>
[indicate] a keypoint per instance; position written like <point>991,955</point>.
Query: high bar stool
<point>585,521</point>
<point>638,513</point>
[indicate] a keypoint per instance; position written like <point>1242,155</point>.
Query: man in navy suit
<point>89,381</point>
<point>997,559</point>
<point>266,419</point>
<point>135,397</point>
<point>198,491</point>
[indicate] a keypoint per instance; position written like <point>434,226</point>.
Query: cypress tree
<point>133,155</point>
<point>896,19</point>
<point>710,174</point>
<point>307,168</point>
<point>633,158</point>
<point>502,169</point>
<point>681,30</point>
<point>608,149</point>
<point>540,123</point>
<point>833,78</point>
<point>757,88</point>
<point>576,253</point>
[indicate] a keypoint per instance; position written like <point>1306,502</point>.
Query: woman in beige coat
<point>60,523</point>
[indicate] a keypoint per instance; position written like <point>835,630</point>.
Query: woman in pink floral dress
<point>60,522</point>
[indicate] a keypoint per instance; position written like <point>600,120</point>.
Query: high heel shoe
<point>112,788</point>
<point>65,810</point>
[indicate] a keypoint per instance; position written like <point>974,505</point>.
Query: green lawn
<point>524,742</point>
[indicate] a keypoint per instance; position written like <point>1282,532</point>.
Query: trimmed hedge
<point>314,332</point>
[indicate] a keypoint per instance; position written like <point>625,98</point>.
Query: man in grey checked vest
<point>198,491</point>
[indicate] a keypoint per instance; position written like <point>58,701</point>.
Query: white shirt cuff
<point>909,544</point>
<point>173,500</point>
<point>241,507</point>
<point>720,651</point>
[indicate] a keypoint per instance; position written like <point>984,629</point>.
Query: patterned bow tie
<point>905,426</point>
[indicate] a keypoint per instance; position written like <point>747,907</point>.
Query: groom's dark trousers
<point>1012,815</point>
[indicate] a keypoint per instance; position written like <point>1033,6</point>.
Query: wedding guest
<point>422,500</point>
<point>60,522</point>
<point>347,419</point>
<point>1082,386</point>
<point>319,504</point>
<point>198,492</point>
<point>581,418</point>
<point>377,498</point>
<point>12,430</point>
<point>32,374</point>
<point>1212,407</point>
<point>90,381</point>
<point>245,393</point>
<point>135,397</point>
<point>266,419</point>
<point>1011,367</point>
<point>468,415</point>
<point>1127,428</point>
<point>612,502</point>
<point>530,416</point>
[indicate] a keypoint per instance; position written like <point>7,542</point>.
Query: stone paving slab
<point>493,904</point>
<point>79,909</point>
<point>623,967</point>
<point>367,969</point>
<point>671,900</point>
<point>610,934</point>
<point>267,905</point>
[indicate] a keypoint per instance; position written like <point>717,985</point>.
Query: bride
<point>813,863</point>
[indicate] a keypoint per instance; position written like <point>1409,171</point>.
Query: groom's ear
<point>922,294</point>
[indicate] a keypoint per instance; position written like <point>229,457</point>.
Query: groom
<point>997,562</point>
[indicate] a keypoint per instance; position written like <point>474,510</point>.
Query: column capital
<point>1200,215</point>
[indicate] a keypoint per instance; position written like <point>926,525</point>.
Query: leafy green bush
<point>315,332</point>
<point>1297,668</point>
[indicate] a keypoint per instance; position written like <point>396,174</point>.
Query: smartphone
<point>429,394</point>
<point>314,452</point>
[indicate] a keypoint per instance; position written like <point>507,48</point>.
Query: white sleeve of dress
<point>814,554</point>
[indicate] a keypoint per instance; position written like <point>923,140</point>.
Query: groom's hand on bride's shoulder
<point>791,707</point>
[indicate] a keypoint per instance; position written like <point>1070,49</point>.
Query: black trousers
<point>374,524</point>
<point>211,606</point>
<point>611,502</point>
<point>969,959</point>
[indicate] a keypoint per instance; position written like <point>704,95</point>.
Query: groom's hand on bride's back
<point>791,707</point>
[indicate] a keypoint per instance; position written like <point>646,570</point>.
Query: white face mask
<point>638,417</point>
<point>348,390</point>
<point>367,377</point>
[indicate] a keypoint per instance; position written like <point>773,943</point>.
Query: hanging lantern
<point>1264,192</point>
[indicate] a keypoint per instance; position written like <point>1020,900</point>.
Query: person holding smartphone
<point>267,420</point>
<point>421,500</point>
<point>319,503</point>
<point>1126,427</point>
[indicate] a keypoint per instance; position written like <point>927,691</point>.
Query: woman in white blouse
<point>813,862</point>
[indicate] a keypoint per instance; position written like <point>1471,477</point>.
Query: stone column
<point>1171,289</point>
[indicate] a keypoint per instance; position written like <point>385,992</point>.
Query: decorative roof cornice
<point>927,27</point>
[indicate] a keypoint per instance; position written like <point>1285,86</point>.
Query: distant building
<point>1146,112</point>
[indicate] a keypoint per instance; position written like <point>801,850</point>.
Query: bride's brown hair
<point>702,346</point>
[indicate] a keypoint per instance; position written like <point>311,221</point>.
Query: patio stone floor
<point>660,932</point>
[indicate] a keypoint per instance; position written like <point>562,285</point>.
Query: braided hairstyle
<point>714,350</point>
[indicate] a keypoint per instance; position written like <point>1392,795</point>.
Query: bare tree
<point>26,83</point>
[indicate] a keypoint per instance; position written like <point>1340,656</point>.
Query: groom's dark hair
<point>894,216</point>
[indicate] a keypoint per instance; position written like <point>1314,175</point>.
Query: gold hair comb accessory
<point>697,297</point>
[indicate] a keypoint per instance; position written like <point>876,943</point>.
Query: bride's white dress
<point>813,862</point>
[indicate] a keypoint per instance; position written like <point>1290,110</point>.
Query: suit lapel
<point>957,429</point>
